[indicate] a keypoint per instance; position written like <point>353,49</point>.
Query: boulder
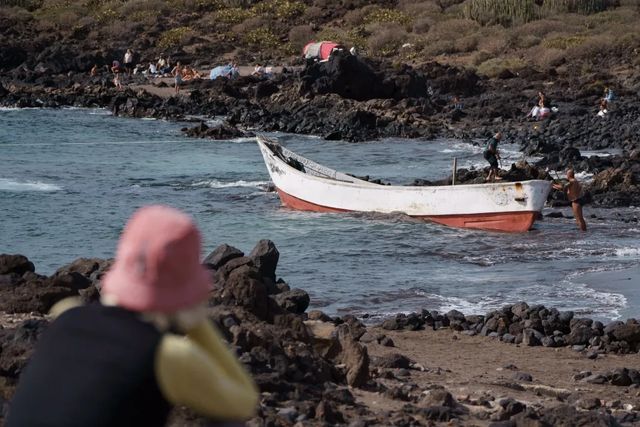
<point>354,356</point>
<point>392,361</point>
<point>221,255</point>
<point>318,315</point>
<point>265,257</point>
<point>580,335</point>
<point>294,301</point>
<point>17,264</point>
<point>438,397</point>
<point>625,332</point>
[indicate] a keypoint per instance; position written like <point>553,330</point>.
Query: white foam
<point>214,183</point>
<point>22,186</point>
<point>628,252</point>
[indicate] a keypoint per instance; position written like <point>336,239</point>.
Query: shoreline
<point>624,281</point>
<point>407,103</point>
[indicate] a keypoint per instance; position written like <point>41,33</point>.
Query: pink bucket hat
<point>157,266</point>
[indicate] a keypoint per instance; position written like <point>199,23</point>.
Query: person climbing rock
<point>148,345</point>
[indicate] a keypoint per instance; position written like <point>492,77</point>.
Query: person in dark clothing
<point>491,154</point>
<point>147,346</point>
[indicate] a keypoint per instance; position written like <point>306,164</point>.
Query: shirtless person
<point>574,194</point>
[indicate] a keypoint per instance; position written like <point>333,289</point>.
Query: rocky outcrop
<point>531,326</point>
<point>219,131</point>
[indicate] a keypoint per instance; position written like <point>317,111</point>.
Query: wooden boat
<point>306,185</point>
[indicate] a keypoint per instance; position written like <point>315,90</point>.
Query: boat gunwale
<point>370,185</point>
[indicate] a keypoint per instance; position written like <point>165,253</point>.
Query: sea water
<point>70,178</point>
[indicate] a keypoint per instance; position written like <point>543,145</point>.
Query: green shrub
<point>281,9</point>
<point>232,16</point>
<point>514,12</point>
<point>387,40</point>
<point>493,67</point>
<point>357,36</point>
<point>262,38</point>
<point>391,16</point>
<point>174,37</point>
<point>503,12</point>
<point>585,7</point>
<point>300,35</point>
<point>331,34</point>
<point>30,5</point>
<point>144,16</point>
<point>563,43</point>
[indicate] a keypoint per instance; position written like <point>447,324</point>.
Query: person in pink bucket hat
<point>146,347</point>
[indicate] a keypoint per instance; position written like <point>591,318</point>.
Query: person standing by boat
<point>491,154</point>
<point>573,189</point>
<point>146,346</point>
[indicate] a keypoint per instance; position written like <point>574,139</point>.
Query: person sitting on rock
<point>116,67</point>
<point>603,108</point>
<point>258,71</point>
<point>457,104</point>
<point>152,70</point>
<point>608,95</point>
<point>148,345</point>
<point>573,189</point>
<point>491,154</point>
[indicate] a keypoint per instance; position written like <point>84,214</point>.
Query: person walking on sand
<point>575,196</point>
<point>148,344</point>
<point>491,154</point>
<point>177,75</point>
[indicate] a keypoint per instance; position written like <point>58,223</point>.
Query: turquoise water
<point>70,179</point>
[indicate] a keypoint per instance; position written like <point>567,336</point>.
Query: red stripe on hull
<point>498,221</point>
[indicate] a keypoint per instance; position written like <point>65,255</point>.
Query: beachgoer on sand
<point>148,344</point>
<point>177,75</point>
<point>573,189</point>
<point>491,154</point>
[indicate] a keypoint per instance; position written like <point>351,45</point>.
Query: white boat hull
<point>509,206</point>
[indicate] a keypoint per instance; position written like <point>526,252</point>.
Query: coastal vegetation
<point>484,35</point>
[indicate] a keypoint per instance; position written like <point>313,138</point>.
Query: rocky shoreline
<point>520,365</point>
<point>355,99</point>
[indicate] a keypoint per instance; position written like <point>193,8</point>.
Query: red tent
<point>319,50</point>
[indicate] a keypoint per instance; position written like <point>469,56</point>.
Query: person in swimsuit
<point>147,346</point>
<point>575,196</point>
<point>177,73</point>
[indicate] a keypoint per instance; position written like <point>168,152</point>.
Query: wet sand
<point>625,282</point>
